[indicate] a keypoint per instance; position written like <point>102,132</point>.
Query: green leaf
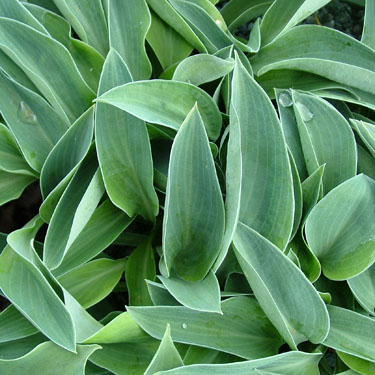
<point>326,138</point>
<point>344,245</point>
<point>165,102</point>
<point>92,282</point>
<point>140,266</point>
<point>351,333</point>
<point>49,65</point>
<point>128,23</point>
<point>68,153</point>
<point>29,291</point>
<point>368,34</point>
<point>267,201</point>
<point>363,288</point>
<point>298,316</point>
<point>291,363</point>
<point>202,68</point>
<point>366,131</point>
<point>319,50</point>
<point>365,162</point>
<point>203,295</point>
<point>88,20</point>
<point>105,224</point>
<point>193,225</point>
<point>160,295</point>
<point>166,357</point>
<point>170,16</point>
<point>242,330</point>
<point>47,359</point>
<point>169,46</point>
<point>280,16</point>
<point>360,365</point>
<point>14,326</point>
<point>12,185</point>
<point>72,213</point>
<point>35,125</point>
<point>123,149</point>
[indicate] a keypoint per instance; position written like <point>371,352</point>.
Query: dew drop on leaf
<point>184,325</point>
<point>26,114</point>
<point>285,99</point>
<point>305,112</point>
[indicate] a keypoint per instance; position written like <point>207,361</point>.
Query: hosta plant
<point>208,199</point>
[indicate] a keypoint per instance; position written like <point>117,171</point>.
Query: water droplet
<point>305,112</point>
<point>26,114</point>
<point>184,325</point>
<point>285,99</point>
<point>91,69</point>
<point>219,23</point>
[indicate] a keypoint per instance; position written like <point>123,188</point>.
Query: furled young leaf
<point>170,16</point>
<point>193,225</point>
<point>128,23</point>
<point>368,34</point>
<point>203,295</point>
<point>88,20</point>
<point>28,290</point>
<point>12,185</point>
<point>267,202</point>
<point>123,148</point>
<point>93,281</point>
<point>35,125</point>
<point>242,330</point>
<point>202,68</point>
<point>47,359</point>
<point>105,224</point>
<point>68,153</point>
<point>326,138</point>
<point>140,266</point>
<point>165,102</point>
<point>282,16</point>
<point>169,46</point>
<point>363,288</point>
<point>49,65</point>
<point>340,229</point>
<point>351,333</point>
<point>298,316</point>
<point>166,357</point>
<point>321,51</point>
<point>291,363</point>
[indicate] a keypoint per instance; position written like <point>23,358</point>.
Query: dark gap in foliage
<point>17,213</point>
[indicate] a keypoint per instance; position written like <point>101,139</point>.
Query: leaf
<point>28,290</point>
<point>12,185</point>
<point>365,162</point>
<point>72,213</point>
<point>366,131</point>
<point>202,68</point>
<point>123,149</point>
<point>166,357</point>
<point>88,20</point>
<point>368,33</point>
<point>47,359</point>
<point>351,333</point>
<point>242,330</point>
<point>203,295</point>
<point>93,281</point>
<point>298,316</point>
<point>105,224</point>
<point>357,364</point>
<point>165,102</point>
<point>140,266</point>
<point>68,153</point>
<point>290,363</point>
<point>49,65</point>
<point>363,289</point>
<point>160,295</point>
<point>193,225</point>
<point>34,124</point>
<point>280,17</point>
<point>128,37</point>
<point>325,52</point>
<point>14,326</point>
<point>267,201</point>
<point>169,46</point>
<point>326,138</point>
<point>344,246</point>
